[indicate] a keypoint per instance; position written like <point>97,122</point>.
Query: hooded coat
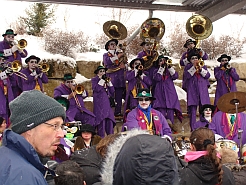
<point>202,172</point>
<point>20,163</point>
<point>138,158</point>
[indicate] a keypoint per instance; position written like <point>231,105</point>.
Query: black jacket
<point>202,172</point>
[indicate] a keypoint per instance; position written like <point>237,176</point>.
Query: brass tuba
<point>116,30</point>
<point>152,31</point>
<point>199,27</point>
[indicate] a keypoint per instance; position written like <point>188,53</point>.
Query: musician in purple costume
<point>13,52</point>
<point>76,110</point>
<point>137,79</point>
<point>146,54</point>
<point>226,77</point>
<point>167,101</point>
<point>196,85</point>
<point>226,125</point>
<point>6,94</point>
<point>35,77</point>
<point>190,45</point>
<point>116,71</point>
<point>103,89</point>
<point>206,113</point>
<point>145,117</point>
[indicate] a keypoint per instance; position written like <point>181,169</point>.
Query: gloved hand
<point>163,65</point>
<point>14,48</point>
<point>9,71</point>
<point>104,76</point>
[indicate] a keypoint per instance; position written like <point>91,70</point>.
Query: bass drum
<point>227,144</point>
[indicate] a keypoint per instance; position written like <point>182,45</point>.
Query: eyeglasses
<point>194,58</point>
<point>69,81</point>
<point>55,126</point>
<point>101,71</point>
<point>137,64</point>
<point>33,62</point>
<point>144,99</point>
<point>224,60</point>
<point>10,36</point>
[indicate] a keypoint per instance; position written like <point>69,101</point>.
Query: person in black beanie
<point>37,127</point>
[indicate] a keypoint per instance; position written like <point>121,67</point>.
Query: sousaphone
<point>152,31</point>
<point>199,27</point>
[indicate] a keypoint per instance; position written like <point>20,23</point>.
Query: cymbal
<point>227,102</point>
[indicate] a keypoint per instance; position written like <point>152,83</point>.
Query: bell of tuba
<point>152,31</point>
<point>115,30</point>
<point>199,27</point>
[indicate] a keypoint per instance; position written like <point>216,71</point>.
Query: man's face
<point>86,135</point>
<point>194,59</point>
<point>32,64</point>
<point>147,46</point>
<point>136,63</point>
<point>46,137</point>
<point>3,126</point>
<point>112,45</point>
<point>9,38</point>
<point>144,102</point>
<point>162,61</point>
<point>224,60</point>
<point>207,112</point>
<point>190,45</point>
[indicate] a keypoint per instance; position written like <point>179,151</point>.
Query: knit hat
<point>33,108</point>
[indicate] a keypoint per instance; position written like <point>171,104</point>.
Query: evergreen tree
<point>39,16</point>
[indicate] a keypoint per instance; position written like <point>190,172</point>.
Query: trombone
<point>16,67</point>
<point>45,67</point>
<point>21,44</point>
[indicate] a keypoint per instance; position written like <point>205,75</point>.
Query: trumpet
<point>45,67</point>
<point>107,79</point>
<point>169,62</point>
<point>21,44</point>
<point>227,66</point>
<point>201,63</point>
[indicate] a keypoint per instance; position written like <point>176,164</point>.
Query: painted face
<point>147,46</point>
<point>32,64</point>
<point>2,60</point>
<point>136,63</point>
<point>162,61</point>
<point>112,46</point>
<point>190,45</point>
<point>194,59</point>
<point>144,102</point>
<point>9,38</point>
<point>46,137</point>
<point>224,60</point>
<point>86,135</point>
<point>3,126</point>
<point>69,83</point>
<point>207,112</point>
<point>101,72</point>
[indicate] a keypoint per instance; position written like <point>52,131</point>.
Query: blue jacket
<point>19,162</point>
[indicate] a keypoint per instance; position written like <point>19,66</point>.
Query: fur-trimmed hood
<point>138,158</point>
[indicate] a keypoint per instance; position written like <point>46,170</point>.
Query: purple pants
<point>192,113</point>
<point>85,118</point>
<point>106,125</point>
<point>119,91</point>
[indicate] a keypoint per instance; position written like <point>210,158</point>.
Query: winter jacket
<point>19,162</point>
<point>90,161</point>
<point>138,158</point>
<point>238,171</point>
<point>201,172</point>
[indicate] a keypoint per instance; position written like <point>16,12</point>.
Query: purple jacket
<point>30,83</point>
<point>132,82</point>
<point>218,127</point>
<point>141,54</point>
<point>15,56</point>
<point>101,104</point>
<point>165,92</point>
<point>118,77</point>
<point>73,107</point>
<point>4,101</point>
<point>196,86</point>
<point>201,123</point>
<point>223,80</point>
<point>132,122</point>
